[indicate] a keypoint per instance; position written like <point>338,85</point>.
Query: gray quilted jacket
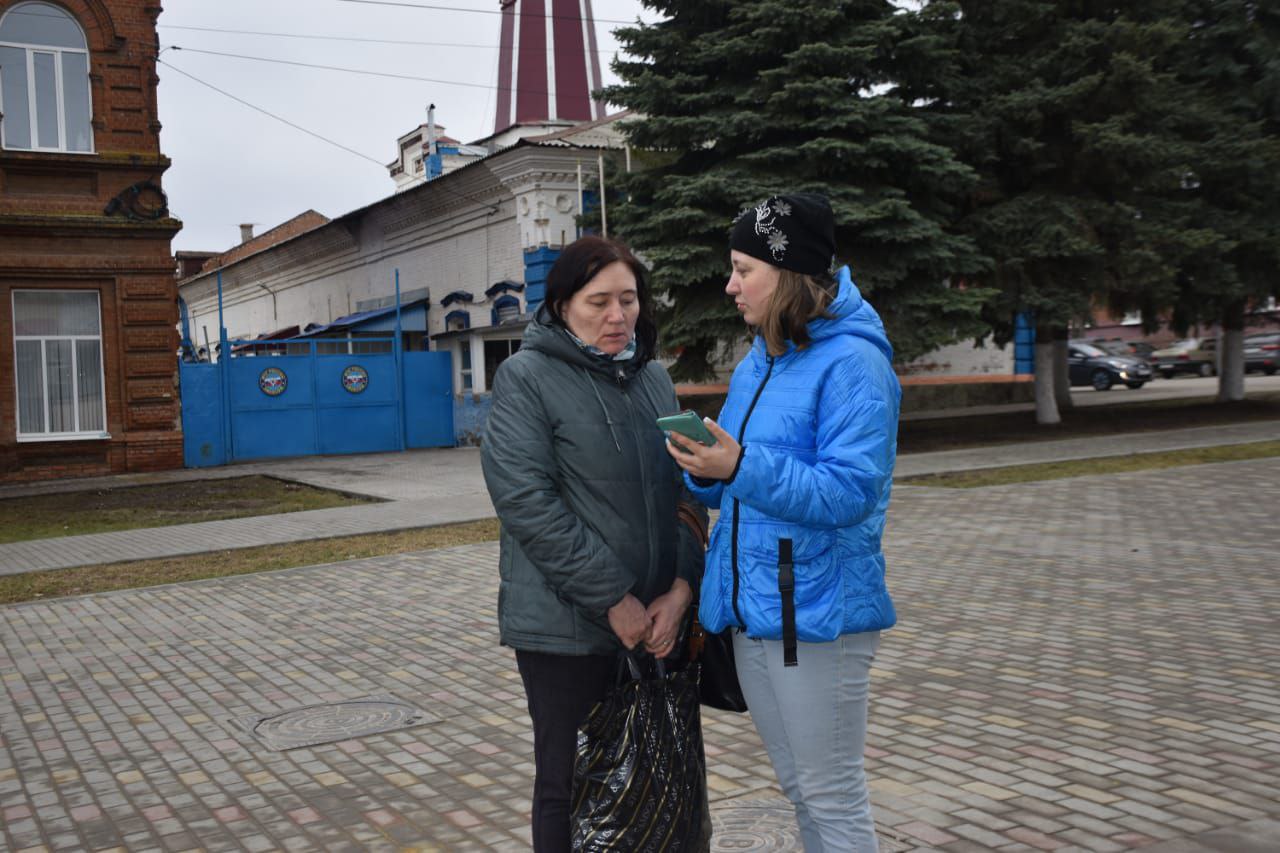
<point>585,491</point>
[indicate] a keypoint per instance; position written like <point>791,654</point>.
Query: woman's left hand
<point>667,612</point>
<point>716,462</point>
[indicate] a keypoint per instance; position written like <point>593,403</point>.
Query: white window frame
<point>31,51</point>
<point>466,367</point>
<point>88,435</point>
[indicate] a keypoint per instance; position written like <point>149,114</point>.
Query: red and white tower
<point>548,64</point>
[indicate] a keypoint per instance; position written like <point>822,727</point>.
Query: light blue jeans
<point>813,720</point>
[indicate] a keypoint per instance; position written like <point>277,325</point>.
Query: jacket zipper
<point>620,375</point>
<point>733,543</point>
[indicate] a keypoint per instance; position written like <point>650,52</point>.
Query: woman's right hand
<point>629,621</point>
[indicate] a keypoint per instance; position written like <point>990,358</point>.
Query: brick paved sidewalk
<point>445,486</point>
<point>1085,665</point>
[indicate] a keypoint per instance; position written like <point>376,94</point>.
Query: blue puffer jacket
<point>820,441</point>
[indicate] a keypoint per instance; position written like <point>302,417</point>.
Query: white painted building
<point>475,243</point>
<point>413,164</point>
<point>964,359</point>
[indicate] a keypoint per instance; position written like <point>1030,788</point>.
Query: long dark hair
<point>580,261</point>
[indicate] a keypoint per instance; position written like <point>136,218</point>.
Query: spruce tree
<point>741,99</point>
<point>1230,194</point>
<point>1060,107</point>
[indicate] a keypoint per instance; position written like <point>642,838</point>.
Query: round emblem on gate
<point>272,381</point>
<point>355,379</point>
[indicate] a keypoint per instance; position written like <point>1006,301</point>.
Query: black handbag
<point>718,685</point>
<point>640,774</point>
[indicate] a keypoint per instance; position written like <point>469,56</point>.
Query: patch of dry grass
<point>1086,467</point>
<point>34,586</point>
<point>161,505</point>
<point>921,436</point>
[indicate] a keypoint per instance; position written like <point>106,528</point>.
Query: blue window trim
<point>504,287</point>
<point>500,303</point>
<point>453,315</point>
<point>457,296</point>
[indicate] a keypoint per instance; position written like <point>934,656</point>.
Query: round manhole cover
<point>769,824</point>
<point>754,825</point>
<point>334,721</point>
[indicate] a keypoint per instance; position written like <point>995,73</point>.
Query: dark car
<point>1262,352</point>
<point>1141,349</point>
<point>1089,365</point>
<point>1134,349</point>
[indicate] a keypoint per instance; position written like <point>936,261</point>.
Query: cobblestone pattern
<point>1080,665</point>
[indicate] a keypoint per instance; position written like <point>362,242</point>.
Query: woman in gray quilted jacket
<point>592,556</point>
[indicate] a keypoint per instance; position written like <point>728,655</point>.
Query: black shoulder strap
<point>787,586</point>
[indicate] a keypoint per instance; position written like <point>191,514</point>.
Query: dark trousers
<point>561,690</point>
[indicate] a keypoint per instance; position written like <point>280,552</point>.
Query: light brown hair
<point>797,300</point>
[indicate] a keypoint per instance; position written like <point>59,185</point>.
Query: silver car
<point>1262,352</point>
<point>1197,356</point>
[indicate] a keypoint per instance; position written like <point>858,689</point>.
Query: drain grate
<point>330,722</point>
<point>769,824</point>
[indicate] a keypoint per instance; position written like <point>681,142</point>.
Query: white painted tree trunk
<point>1061,375</point>
<point>1231,366</point>
<point>1046,405</point>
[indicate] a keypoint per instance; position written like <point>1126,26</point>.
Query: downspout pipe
<point>188,348</point>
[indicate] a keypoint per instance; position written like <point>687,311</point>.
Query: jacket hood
<point>849,314</point>
<point>544,335</point>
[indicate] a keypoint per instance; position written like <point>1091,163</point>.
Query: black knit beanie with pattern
<point>796,232</point>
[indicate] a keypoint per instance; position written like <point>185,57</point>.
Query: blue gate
<point>303,397</point>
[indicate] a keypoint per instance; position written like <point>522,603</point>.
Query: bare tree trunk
<point>1061,375</point>
<point>1231,355</point>
<point>1046,405</point>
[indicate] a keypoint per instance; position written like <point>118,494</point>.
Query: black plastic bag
<point>640,778</point>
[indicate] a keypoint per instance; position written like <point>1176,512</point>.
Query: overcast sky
<point>232,164</point>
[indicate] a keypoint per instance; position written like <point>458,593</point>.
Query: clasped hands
<point>658,625</point>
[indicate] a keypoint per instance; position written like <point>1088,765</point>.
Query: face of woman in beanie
<point>604,311</point>
<point>751,285</point>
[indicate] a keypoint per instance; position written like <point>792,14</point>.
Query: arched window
<point>506,309</point>
<point>44,80</point>
<point>457,320</point>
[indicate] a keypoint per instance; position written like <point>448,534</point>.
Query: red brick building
<point>88,301</point>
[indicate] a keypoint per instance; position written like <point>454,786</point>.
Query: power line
<point>475,11</point>
<point>352,70</point>
<point>379,163</point>
<point>347,38</point>
<point>332,68</point>
<point>492,208</point>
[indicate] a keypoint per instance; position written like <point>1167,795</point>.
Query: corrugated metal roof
<point>352,320</point>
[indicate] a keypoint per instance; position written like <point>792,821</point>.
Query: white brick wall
<point>469,251</point>
<point>964,359</point>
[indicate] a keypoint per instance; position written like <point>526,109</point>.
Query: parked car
<point>1134,349</point>
<point>1090,365</point>
<point>1262,352</point>
<point>1192,355</point>
<point>1141,349</point>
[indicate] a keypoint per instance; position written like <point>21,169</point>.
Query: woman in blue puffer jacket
<point>801,473</point>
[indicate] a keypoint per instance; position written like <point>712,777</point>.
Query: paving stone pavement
<point>1081,665</point>
<point>426,487</point>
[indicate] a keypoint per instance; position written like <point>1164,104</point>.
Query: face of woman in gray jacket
<point>603,313</point>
